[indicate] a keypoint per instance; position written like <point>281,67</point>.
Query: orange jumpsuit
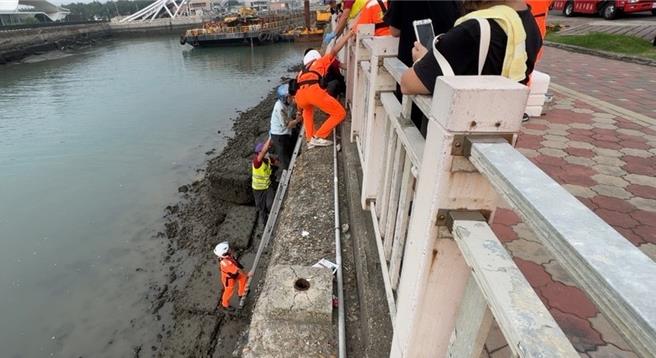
<point>372,13</point>
<point>312,95</point>
<point>229,268</point>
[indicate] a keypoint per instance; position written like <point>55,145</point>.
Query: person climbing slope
<point>261,170</point>
<point>310,92</point>
<point>232,273</point>
<point>282,124</point>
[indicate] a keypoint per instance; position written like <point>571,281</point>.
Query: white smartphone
<point>424,32</point>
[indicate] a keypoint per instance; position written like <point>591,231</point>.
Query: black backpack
<point>295,85</point>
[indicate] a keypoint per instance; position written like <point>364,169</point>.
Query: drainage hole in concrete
<point>301,284</point>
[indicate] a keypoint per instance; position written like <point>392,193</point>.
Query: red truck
<point>609,9</point>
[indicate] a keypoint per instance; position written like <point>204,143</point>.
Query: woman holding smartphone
<point>513,45</point>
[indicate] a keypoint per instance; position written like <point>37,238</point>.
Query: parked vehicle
<point>609,9</point>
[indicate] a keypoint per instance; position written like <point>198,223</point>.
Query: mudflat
<point>216,207</point>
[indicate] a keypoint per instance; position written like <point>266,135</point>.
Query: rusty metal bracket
<point>446,217</point>
<point>461,145</point>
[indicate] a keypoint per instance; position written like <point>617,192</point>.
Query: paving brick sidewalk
<point>644,30</point>
<point>608,162</point>
<point>623,84</point>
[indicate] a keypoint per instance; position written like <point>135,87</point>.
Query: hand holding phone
<point>424,32</point>
<point>418,51</point>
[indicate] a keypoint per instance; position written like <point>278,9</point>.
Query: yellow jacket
<point>261,176</point>
<point>514,62</point>
<point>355,9</point>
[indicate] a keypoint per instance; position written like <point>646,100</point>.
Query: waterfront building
<point>258,5</point>
<point>16,12</point>
<point>199,7</point>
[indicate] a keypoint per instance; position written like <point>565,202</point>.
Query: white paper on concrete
<point>327,264</point>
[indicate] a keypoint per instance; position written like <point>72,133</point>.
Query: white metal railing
<point>445,273</point>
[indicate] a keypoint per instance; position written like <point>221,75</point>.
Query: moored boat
<point>246,28</point>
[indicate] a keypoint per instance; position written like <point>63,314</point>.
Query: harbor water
<point>93,147</point>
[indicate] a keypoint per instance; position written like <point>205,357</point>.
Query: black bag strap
<point>380,25</point>
<point>382,6</point>
<point>306,69</point>
<point>308,82</point>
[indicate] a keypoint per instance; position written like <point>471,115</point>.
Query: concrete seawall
<point>288,321</point>
<point>17,44</point>
<point>156,26</point>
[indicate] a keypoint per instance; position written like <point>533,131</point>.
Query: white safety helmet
<point>311,56</point>
<point>221,250</point>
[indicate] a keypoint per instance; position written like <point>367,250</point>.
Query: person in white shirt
<point>281,127</point>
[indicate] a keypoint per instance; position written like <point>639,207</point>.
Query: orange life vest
<point>229,268</point>
<point>373,14</point>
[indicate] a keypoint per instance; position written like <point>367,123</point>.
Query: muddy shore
<point>216,207</point>
<point>39,45</point>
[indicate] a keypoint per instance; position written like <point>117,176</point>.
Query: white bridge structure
<point>159,8</point>
<point>447,276</point>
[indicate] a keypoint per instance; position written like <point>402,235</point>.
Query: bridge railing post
<point>372,133</point>
<point>355,53</point>
<point>434,274</point>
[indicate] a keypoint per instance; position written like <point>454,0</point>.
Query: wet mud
<point>50,50</point>
<point>217,206</point>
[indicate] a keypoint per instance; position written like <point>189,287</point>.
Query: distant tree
<point>97,10</point>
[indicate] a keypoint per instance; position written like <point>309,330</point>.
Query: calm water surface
<point>92,147</point>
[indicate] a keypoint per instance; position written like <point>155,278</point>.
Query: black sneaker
<point>525,118</point>
<point>228,310</point>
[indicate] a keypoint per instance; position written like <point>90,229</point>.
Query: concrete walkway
<point>604,154</point>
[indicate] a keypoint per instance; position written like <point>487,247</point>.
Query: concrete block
<point>203,288</point>
<point>301,294</point>
<point>238,182</point>
<point>237,228</point>
<point>193,338</point>
<point>535,100</point>
<point>540,82</point>
<point>479,103</point>
<point>287,339</point>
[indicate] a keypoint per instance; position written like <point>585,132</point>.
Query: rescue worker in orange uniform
<point>372,13</point>
<point>312,94</point>
<point>232,273</point>
<point>540,10</point>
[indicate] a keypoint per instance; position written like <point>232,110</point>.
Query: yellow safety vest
<point>357,6</point>
<point>514,61</point>
<point>261,176</point>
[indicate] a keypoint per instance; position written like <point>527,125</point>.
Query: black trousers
<point>335,83</point>
<point>283,145</point>
<point>263,202</point>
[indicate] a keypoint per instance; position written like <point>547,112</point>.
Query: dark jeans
<point>263,202</point>
<point>283,145</point>
<point>335,83</point>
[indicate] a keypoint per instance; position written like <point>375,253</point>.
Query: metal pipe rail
<point>616,275</point>
<point>413,184</point>
<point>341,329</point>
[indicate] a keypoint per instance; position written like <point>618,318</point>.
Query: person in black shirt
<point>460,47</point>
<point>400,15</point>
